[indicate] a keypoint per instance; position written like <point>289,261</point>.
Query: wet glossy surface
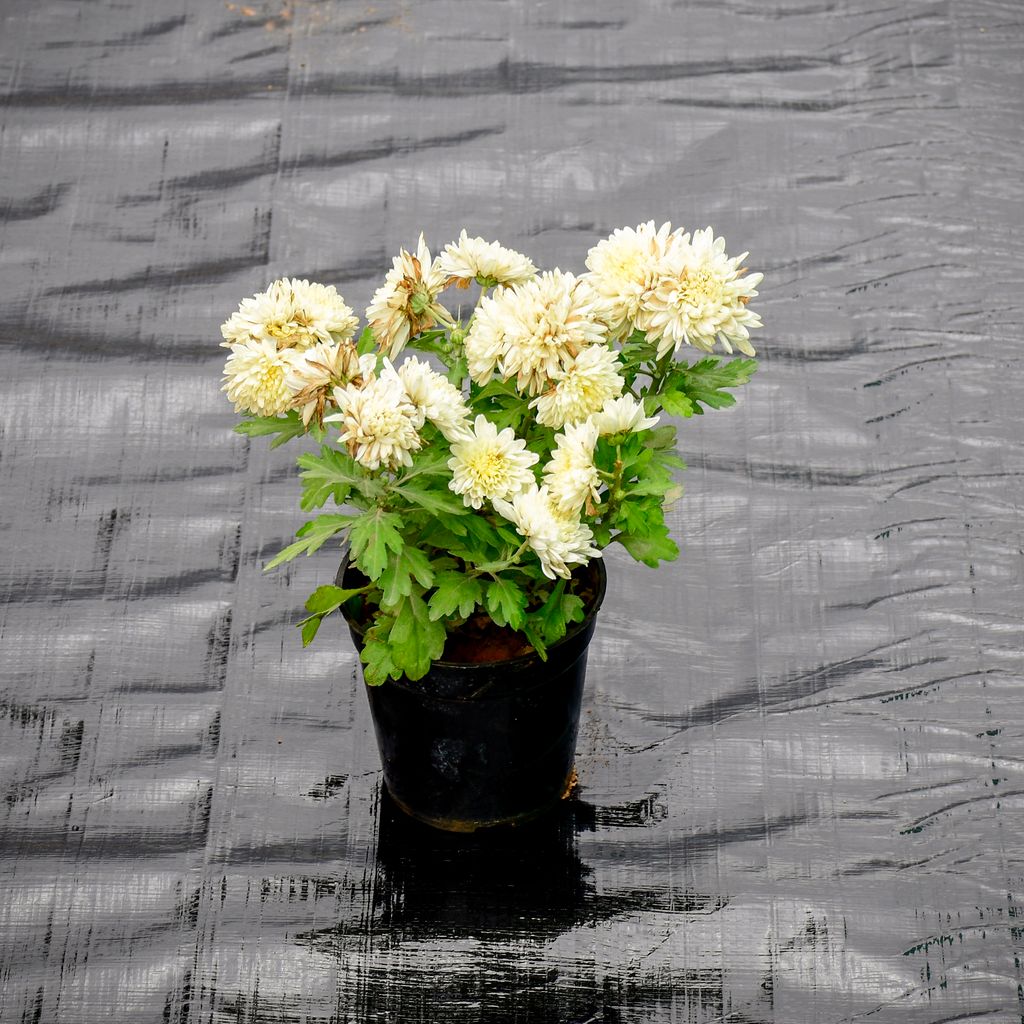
<point>802,784</point>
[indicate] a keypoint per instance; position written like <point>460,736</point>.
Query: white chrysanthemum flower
<point>293,314</point>
<point>570,476</point>
<point>368,366</point>
<point>487,263</point>
<point>255,377</point>
<point>701,297</point>
<point>534,331</point>
<point>559,541</point>
<point>378,422</point>
<point>625,268</point>
<point>488,464</point>
<point>407,301</point>
<point>436,397</point>
<point>485,343</point>
<point>620,415</point>
<point>590,380</point>
<point>316,372</point>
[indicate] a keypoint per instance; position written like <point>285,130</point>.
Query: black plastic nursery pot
<point>473,746</point>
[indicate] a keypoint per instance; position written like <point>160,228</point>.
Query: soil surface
<point>479,639</point>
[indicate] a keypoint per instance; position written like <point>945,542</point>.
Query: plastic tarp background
<point>802,775</point>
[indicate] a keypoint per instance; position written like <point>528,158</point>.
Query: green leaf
<point>404,566</point>
<point>426,463</point>
<point>331,474</point>
<point>373,534</point>
<point>452,525</point>
<point>286,427</point>
<point>312,536</point>
<point>327,599</point>
<point>653,479</point>
<point>455,593</point>
<point>484,542</point>
<point>367,342</point>
<point>676,404</point>
<point>554,615</point>
<point>310,627</point>
<point>501,403</point>
<point>651,549</point>
<point>378,664</point>
<point>503,390</point>
<point>638,517</point>
<point>637,348</point>
<point>662,437</point>
<point>415,639</point>
<point>536,638</point>
<point>432,499</point>
<point>506,603</point>
<point>321,602</point>
<point>704,382</point>
<point>458,371</point>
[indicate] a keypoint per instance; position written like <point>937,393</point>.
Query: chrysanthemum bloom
<point>701,297</point>
<point>436,397</point>
<point>559,541</point>
<point>570,476</point>
<point>316,373</point>
<point>534,331</point>
<point>378,422</point>
<point>620,415</point>
<point>590,380</point>
<point>487,263</point>
<point>407,301</point>
<point>488,464</point>
<point>292,314</point>
<point>485,343</point>
<point>255,377</point>
<point>624,270</point>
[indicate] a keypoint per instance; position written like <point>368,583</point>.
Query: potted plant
<point>475,463</point>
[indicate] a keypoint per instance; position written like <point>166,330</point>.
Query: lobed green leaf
<point>312,536</point>
<point>705,381</point>
<point>286,427</point>
<point>455,594</point>
<point>403,567</point>
<point>373,535</point>
<point>654,547</point>
<point>327,599</point>
<point>676,404</point>
<point>433,499</point>
<point>331,474</point>
<point>552,619</point>
<point>506,603</point>
<point>415,639</point>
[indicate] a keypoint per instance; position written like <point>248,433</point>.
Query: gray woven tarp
<point>801,760</point>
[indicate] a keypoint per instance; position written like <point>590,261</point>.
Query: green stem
<point>492,568</point>
<point>615,487</point>
<point>660,372</point>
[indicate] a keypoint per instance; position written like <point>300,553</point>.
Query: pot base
<point>466,825</point>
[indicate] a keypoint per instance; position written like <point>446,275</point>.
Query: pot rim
<point>521,660</point>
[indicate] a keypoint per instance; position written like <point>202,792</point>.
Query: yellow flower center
<point>271,381</point>
<point>489,469</point>
<point>293,329</point>
<point>631,266</point>
<point>700,286</point>
<point>580,391</point>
